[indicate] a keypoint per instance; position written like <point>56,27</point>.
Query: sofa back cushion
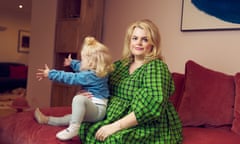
<point>236,121</point>
<point>18,72</point>
<point>208,97</point>
<point>4,70</point>
<point>178,79</point>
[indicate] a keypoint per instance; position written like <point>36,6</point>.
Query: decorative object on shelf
<point>210,15</point>
<point>23,41</point>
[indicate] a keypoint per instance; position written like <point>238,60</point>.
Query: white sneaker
<point>68,133</point>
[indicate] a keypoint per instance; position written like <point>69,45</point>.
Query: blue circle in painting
<point>226,10</point>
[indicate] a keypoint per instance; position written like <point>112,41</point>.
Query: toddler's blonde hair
<point>99,58</point>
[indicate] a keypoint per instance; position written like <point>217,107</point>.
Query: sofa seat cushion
<point>222,135</point>
<point>208,97</point>
<point>21,128</point>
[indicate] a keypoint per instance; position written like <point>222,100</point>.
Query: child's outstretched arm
<point>67,61</point>
<point>42,73</point>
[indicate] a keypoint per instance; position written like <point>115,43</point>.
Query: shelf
<point>67,36</point>
<point>76,19</point>
<point>59,60</point>
<point>69,9</point>
<point>62,95</point>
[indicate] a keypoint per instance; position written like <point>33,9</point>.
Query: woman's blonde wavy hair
<point>153,36</point>
<point>98,57</point>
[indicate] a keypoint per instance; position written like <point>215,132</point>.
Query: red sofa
<point>21,128</point>
<point>12,75</point>
<point>208,103</point>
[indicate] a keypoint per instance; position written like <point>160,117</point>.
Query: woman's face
<point>139,43</point>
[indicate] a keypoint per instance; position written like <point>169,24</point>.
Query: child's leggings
<point>83,109</point>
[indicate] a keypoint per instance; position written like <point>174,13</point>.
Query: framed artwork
<point>23,41</point>
<point>198,15</point>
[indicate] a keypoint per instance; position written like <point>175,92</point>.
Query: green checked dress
<point>146,92</point>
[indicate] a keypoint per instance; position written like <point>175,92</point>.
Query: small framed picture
<point>23,41</point>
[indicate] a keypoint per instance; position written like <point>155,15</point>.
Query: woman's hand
<point>107,130</point>
<point>123,123</point>
<point>42,73</point>
<point>85,93</point>
<point>67,61</point>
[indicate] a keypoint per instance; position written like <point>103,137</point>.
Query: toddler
<point>91,74</point>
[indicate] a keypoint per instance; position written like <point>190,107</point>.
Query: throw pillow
<point>236,120</point>
<point>208,97</point>
<point>18,72</point>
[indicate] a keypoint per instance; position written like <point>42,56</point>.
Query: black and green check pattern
<point>146,92</point>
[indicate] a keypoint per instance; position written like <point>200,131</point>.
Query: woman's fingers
<point>107,130</point>
<point>85,93</point>
<point>100,135</point>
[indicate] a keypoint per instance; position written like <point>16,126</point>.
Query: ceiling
<point>12,5</point>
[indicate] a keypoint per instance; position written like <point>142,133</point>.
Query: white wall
<point>13,21</point>
<point>41,52</point>
<point>218,50</point>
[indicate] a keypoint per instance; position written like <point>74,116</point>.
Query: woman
<point>139,109</point>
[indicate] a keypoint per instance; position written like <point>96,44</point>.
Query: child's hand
<point>42,73</point>
<point>67,61</point>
